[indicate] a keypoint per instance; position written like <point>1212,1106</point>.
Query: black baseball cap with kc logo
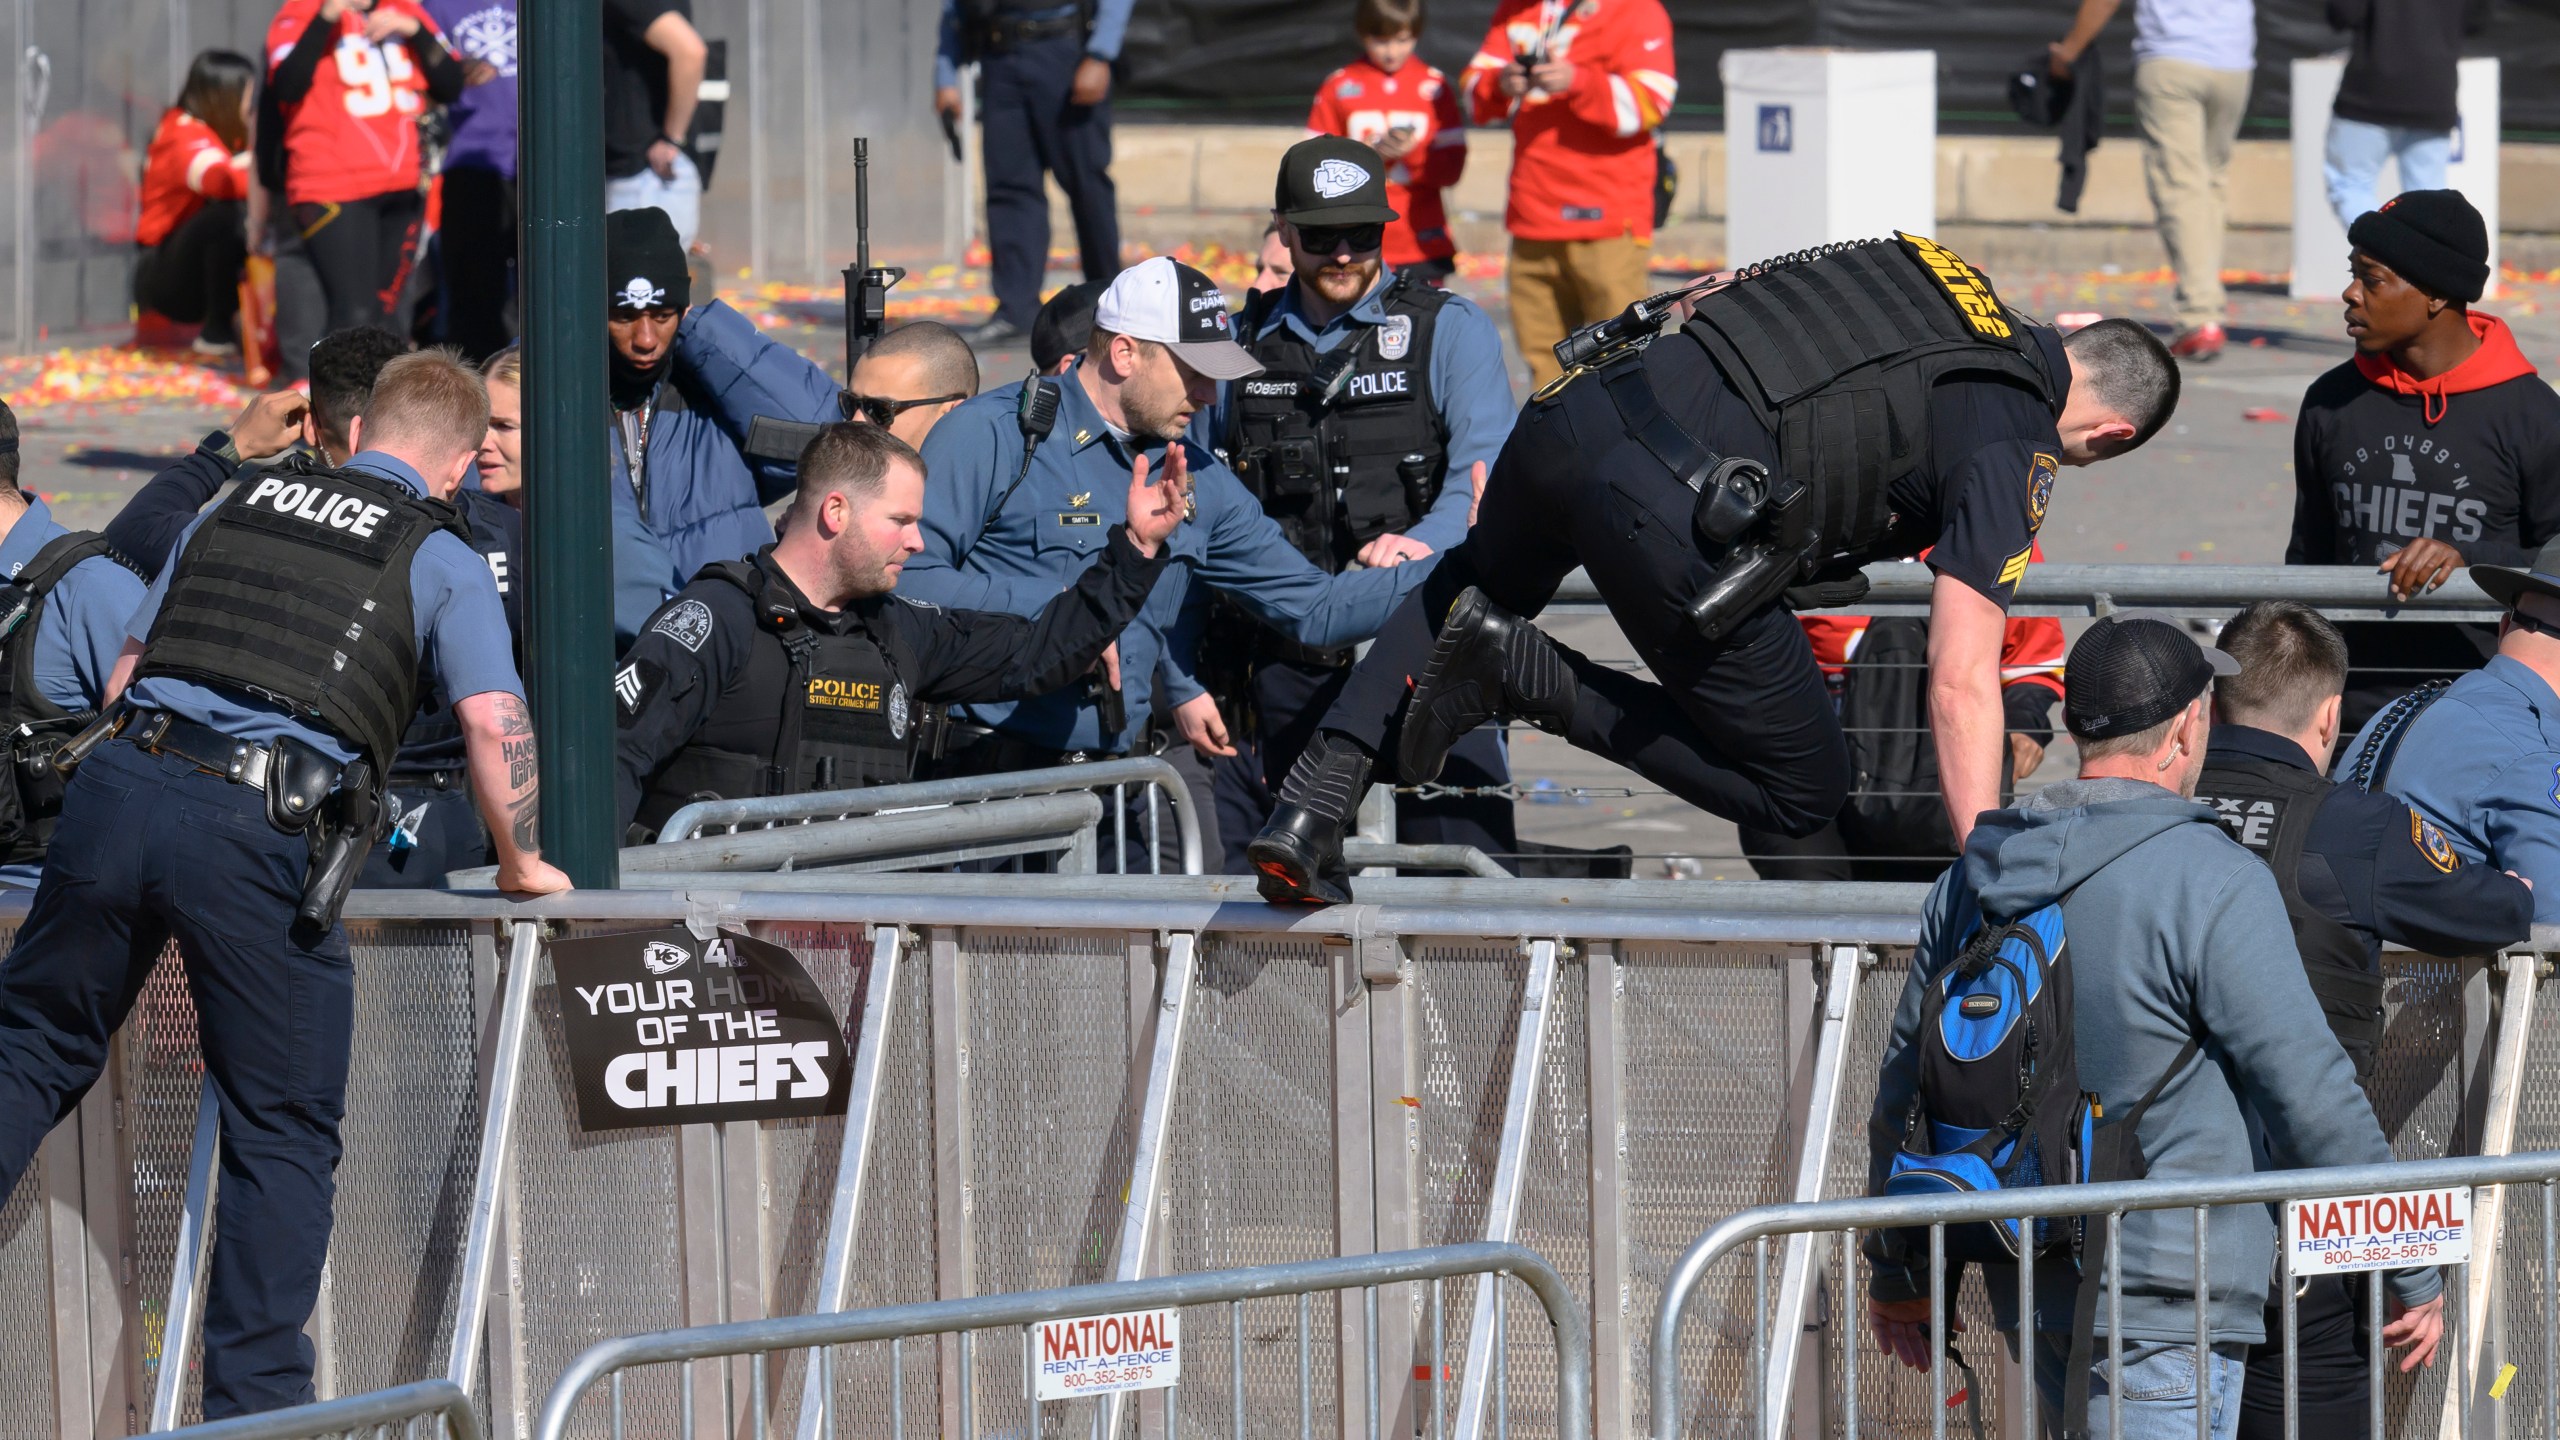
<point>1329,181</point>
<point>1168,302</point>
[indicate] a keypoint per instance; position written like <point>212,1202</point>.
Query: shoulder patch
<point>2041,472</point>
<point>2014,569</point>
<point>633,685</point>
<point>687,622</point>
<point>2431,842</point>
<point>911,600</point>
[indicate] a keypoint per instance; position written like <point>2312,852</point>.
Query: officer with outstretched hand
<point>63,607</point>
<point>2356,869</point>
<point>1811,414</point>
<point>226,804</point>
<point>1378,396</point>
<point>1028,480</point>
<point>800,670</point>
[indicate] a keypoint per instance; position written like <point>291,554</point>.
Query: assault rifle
<point>866,316</point>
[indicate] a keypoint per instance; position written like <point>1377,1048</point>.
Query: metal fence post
<point>1395,1088</point>
<point>853,1158</point>
<point>1612,1278</point>
<point>1502,1204</point>
<point>1802,1272</point>
<point>955,1229</point>
<point>184,1316</point>
<point>1155,1123</point>
<point>1355,1199</point>
<point>497,1133</point>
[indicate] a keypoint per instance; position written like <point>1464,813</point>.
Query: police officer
<point>62,614</point>
<point>1044,98</point>
<point>432,827</point>
<point>1377,392</point>
<point>1813,413</point>
<point>192,819</point>
<point>2480,758</point>
<point>799,670</point>
<point>1025,489</point>
<point>2356,869</point>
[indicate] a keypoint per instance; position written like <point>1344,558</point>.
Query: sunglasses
<point>1341,239</point>
<point>881,412</point>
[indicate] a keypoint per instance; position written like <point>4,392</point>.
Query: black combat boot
<point>1487,664</point>
<point>1299,854</point>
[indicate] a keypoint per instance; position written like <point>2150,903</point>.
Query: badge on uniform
<point>2041,472</point>
<point>2433,844</point>
<point>687,622</point>
<point>1395,337</point>
<point>898,711</point>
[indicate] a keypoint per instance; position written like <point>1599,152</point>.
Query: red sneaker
<point>2204,342</point>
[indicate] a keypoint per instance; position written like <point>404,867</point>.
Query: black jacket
<point>673,676</point>
<point>2401,69</point>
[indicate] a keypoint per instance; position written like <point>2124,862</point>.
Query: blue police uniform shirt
<point>2483,763</point>
<point>461,633</point>
<point>1469,384</point>
<point>1102,42</point>
<point>1045,533</point>
<point>81,633</point>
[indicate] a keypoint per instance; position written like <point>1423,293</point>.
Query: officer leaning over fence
<point>1024,493</point>
<point>2481,757</point>
<point>2206,1059</point>
<point>2355,869</point>
<point>62,614</point>
<point>227,803</point>
<point>799,670</point>
<point>1379,395</point>
<point>1813,413</point>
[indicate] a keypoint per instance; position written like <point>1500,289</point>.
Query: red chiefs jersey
<point>1366,104</point>
<point>186,166</point>
<point>2031,648</point>
<point>1582,163</point>
<point>355,135</point>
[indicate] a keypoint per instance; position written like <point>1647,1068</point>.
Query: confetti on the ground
<point>2264,415</point>
<point>116,375</point>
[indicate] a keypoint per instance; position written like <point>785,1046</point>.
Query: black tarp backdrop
<point>1262,59</point>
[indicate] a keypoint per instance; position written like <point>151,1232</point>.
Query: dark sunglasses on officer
<point>882,412</point>
<point>1341,239</point>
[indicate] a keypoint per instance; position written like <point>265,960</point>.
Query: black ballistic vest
<point>2269,807</point>
<point>433,741</point>
<point>35,726</point>
<point>1837,349</point>
<point>819,706</point>
<point>1339,470</point>
<point>296,590</point>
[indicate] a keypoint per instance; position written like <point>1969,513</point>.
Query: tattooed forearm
<point>513,719</point>
<point>527,810</point>
<point>521,764</point>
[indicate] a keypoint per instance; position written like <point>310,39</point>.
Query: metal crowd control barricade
<point>957,1323</point>
<point>2106,1206</point>
<point>357,1415</point>
<point>2209,592</point>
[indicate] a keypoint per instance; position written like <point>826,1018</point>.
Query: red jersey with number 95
<point>355,135</point>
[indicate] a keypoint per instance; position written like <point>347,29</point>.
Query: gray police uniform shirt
<point>81,632</point>
<point>461,633</point>
<point>2483,763</point>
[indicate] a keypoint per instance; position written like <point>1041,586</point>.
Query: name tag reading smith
<point>665,1029</point>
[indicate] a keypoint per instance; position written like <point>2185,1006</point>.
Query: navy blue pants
<point>1289,699</point>
<point>150,848</point>
<point>1032,130</point>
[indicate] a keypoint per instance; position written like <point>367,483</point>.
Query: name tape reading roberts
<point>1100,1354</point>
<point>2391,1230</point>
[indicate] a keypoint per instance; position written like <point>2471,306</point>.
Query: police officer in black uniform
<point>227,803</point>
<point>1378,395</point>
<point>1813,413</point>
<point>2356,869</point>
<point>798,669</point>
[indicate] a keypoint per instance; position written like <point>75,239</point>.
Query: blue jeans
<point>2159,1388</point>
<point>2354,156</point>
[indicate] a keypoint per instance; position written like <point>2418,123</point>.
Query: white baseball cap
<point>1172,304</point>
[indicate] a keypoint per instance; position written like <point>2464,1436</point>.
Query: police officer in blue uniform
<point>2356,869</point>
<point>2481,757</point>
<point>63,608</point>
<point>1044,98</point>
<point>1813,413</point>
<point>1024,491</point>
<point>801,669</point>
<point>226,803</point>
<point>1379,395</point>
<point>432,827</point>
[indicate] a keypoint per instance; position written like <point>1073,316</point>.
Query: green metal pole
<point>569,521</point>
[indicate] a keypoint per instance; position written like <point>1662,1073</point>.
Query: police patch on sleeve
<point>633,685</point>
<point>687,622</point>
<point>2431,842</point>
<point>2041,471</point>
<point>2014,569</point>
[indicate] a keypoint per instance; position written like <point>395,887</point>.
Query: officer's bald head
<point>943,363</point>
<point>2120,372</point>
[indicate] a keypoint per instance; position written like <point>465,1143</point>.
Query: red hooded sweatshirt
<point>2495,362</point>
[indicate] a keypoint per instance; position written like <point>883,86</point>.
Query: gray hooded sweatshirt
<point>2174,931</point>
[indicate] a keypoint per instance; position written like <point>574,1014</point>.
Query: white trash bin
<point>2319,241</point>
<point>1825,145</point>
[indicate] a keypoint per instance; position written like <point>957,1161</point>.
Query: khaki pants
<point>1559,286</point>
<point>2190,115</point>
